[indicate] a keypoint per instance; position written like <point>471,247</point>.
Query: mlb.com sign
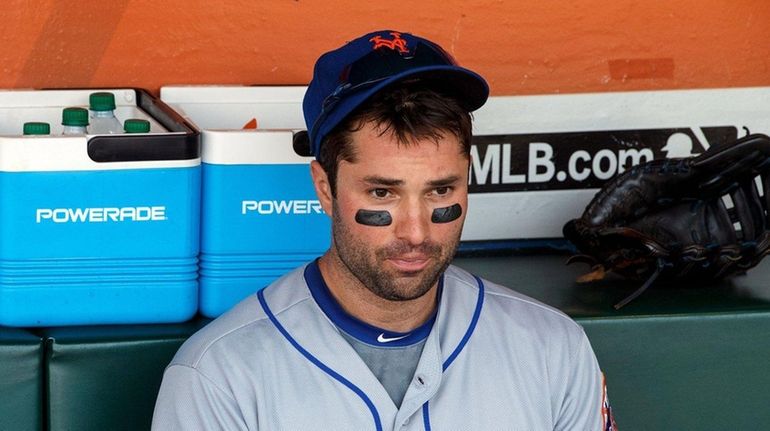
<point>495,166</point>
<point>579,160</point>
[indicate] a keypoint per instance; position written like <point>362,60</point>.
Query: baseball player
<point>381,332</point>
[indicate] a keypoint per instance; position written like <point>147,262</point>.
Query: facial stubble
<point>368,266</point>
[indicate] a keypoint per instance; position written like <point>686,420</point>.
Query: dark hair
<point>411,110</point>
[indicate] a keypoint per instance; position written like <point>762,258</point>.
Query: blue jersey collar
<point>356,328</point>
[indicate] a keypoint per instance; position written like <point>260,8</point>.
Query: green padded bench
<point>21,380</point>
<point>675,358</point>
<point>678,357</point>
<point>107,377</point>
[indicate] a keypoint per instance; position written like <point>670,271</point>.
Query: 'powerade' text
<point>100,215</point>
<point>282,207</point>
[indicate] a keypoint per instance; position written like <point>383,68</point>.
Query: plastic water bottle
<point>102,106</point>
<point>136,125</point>
<point>75,121</point>
<point>37,128</point>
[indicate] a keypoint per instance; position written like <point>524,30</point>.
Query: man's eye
<point>441,191</point>
<point>380,193</point>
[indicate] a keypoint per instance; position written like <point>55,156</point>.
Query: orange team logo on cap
<point>395,44</point>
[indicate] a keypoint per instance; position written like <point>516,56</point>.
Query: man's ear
<point>323,189</point>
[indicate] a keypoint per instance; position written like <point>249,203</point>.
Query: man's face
<point>403,260</point>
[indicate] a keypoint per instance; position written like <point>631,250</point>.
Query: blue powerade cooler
<point>97,229</point>
<point>260,216</point>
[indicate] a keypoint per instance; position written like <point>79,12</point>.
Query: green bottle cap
<point>136,125</point>
<point>37,128</point>
<point>102,101</point>
<point>74,117</point>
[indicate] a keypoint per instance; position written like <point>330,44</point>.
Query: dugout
<point>675,358</point>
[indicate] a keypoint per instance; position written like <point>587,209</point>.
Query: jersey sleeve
<point>585,405</point>
<point>188,400</point>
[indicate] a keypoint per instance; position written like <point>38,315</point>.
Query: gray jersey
<point>493,360</point>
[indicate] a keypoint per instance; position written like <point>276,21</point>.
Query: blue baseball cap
<point>345,78</point>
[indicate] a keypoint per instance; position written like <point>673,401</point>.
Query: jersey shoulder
<point>510,308</point>
<point>247,320</point>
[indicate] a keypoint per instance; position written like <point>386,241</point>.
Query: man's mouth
<point>406,263</point>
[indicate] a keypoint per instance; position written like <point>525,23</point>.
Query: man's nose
<point>412,222</point>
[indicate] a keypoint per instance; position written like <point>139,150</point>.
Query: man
<point>381,332</point>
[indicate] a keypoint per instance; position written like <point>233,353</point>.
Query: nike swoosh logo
<point>382,339</point>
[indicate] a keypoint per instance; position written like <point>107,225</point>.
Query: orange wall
<point>522,47</point>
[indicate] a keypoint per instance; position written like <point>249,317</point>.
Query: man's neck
<point>363,304</point>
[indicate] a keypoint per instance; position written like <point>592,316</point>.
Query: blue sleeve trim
<point>463,342</point>
<point>319,364</point>
<point>471,327</point>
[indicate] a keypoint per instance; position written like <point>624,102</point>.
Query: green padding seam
<point>103,378</point>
